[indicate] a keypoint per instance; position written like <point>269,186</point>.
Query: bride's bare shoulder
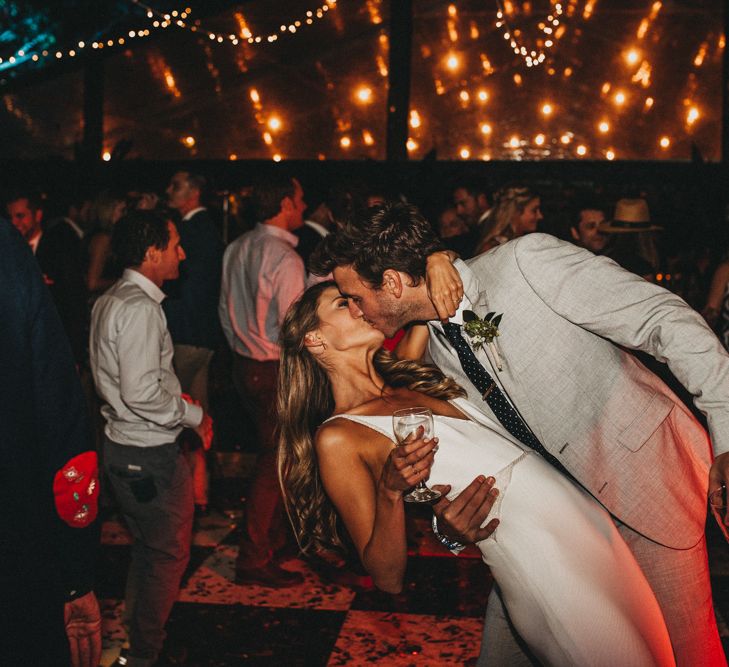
<point>340,436</point>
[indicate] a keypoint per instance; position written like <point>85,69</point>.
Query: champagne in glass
<point>405,423</point>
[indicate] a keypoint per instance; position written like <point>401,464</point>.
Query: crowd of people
<point>556,402</point>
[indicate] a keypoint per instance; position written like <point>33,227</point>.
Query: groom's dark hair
<point>391,236</point>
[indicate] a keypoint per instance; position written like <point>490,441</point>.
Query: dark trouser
<point>153,487</point>
<point>265,529</point>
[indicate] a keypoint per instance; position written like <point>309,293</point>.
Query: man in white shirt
<point>131,361</point>
<point>262,276</point>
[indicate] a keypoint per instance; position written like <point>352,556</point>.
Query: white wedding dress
<point>571,586</point>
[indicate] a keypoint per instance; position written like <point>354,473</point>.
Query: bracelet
<point>453,546</point>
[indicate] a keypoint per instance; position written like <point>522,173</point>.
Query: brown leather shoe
<point>270,575</point>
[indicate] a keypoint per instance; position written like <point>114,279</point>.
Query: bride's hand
<point>409,463</point>
<point>444,284</point>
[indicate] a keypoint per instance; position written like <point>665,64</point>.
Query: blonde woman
<point>516,212</point>
<point>571,586</point>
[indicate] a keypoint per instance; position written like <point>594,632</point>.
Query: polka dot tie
<point>494,397</point>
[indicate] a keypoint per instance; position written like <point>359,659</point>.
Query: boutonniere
<point>483,332</point>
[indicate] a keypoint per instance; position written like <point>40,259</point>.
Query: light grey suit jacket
<point>613,424</point>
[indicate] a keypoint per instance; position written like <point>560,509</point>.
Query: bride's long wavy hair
<point>304,401</point>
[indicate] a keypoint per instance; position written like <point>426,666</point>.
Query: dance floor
<point>437,620</point>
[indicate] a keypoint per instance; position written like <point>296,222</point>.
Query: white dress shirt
<point>131,352</point>
<point>262,276</point>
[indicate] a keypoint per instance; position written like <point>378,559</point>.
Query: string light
<point>176,18</point>
<point>549,27</point>
<point>289,27</point>
<point>581,150</point>
<point>415,121</point>
<point>161,21</point>
<point>665,142</point>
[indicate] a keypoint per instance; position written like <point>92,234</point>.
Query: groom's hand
<point>719,472</point>
<point>461,518</point>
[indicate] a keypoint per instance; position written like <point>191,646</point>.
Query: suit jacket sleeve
<point>596,294</point>
<point>44,427</point>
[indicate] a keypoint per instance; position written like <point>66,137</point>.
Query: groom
<point>560,379</point>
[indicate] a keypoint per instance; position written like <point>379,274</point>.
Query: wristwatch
<point>452,545</point>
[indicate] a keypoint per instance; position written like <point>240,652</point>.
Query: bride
<point>571,586</point>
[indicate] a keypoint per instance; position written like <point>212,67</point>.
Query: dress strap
<point>367,421</point>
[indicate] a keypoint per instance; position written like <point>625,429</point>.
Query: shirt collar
<point>145,284</point>
<point>33,243</point>
<point>485,215</point>
<point>280,232</point>
<point>194,211</point>
<point>323,231</point>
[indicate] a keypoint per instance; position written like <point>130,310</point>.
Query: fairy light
<point>453,62</point>
<point>581,150</point>
<point>550,28</point>
<point>367,137</point>
<point>665,142</point>
<point>604,127</point>
<point>465,153</point>
<point>364,94</point>
<point>514,142</point>
<point>464,96</point>
<point>632,56</point>
<point>643,75</point>
<point>649,101</point>
<point>692,116</point>
<point>274,123</point>
<point>547,109</point>
<point>267,138</point>
<point>345,142</point>
<point>485,128</point>
<point>411,144</point>
<point>189,141</point>
<point>233,157</point>
<point>610,154</point>
<point>106,156</point>
<point>415,120</point>
<point>482,95</point>
<point>277,157</point>
<point>619,98</point>
<point>539,140</point>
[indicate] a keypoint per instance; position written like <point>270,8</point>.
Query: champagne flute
<point>405,423</point>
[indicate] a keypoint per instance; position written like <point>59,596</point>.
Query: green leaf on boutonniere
<point>469,316</point>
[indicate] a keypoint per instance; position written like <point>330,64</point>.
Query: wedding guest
<point>58,252</point>
<point>572,588</point>
<point>517,211</point>
<point>586,217</point>
<point>131,352</point>
<point>567,317</point>
<point>49,494</point>
<point>472,204</point>
<point>633,242</point>
<point>262,275</point>
<point>191,309</point>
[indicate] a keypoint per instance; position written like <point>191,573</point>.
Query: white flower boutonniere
<point>483,332</point>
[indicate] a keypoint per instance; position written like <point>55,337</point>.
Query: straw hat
<point>631,215</point>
